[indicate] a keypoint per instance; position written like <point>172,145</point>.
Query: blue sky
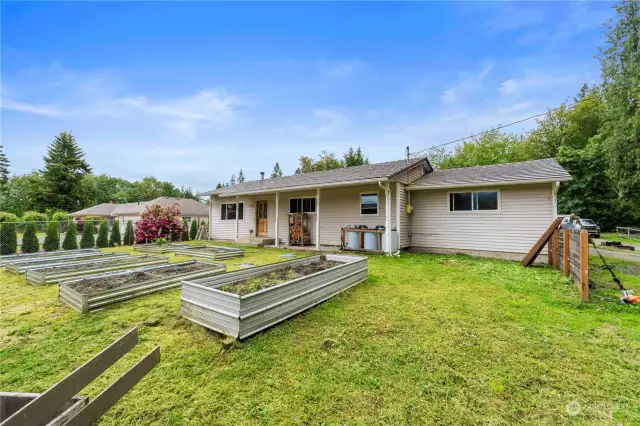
<point>192,92</point>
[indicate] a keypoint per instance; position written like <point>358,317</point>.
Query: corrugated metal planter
<point>210,252</point>
<point>42,276</point>
<point>7,258</point>
<point>91,302</point>
<point>155,248</point>
<point>24,266</point>
<point>242,316</point>
<point>11,402</point>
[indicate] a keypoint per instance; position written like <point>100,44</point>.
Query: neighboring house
<point>189,209</point>
<point>496,211</point>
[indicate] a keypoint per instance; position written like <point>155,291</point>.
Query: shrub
<point>52,240</point>
<point>114,238</point>
<point>32,216</point>
<point>30,242</point>
<point>194,230</point>
<point>8,238</point>
<point>103,235</point>
<point>158,221</point>
<point>87,240</point>
<point>94,221</point>
<point>71,238</point>
<point>60,216</point>
<point>185,231</point>
<point>128,234</point>
<point>8,217</point>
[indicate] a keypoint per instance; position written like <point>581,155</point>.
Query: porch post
<point>398,212</point>
<point>387,219</point>
<point>318,219</point>
<point>237,211</point>
<point>277,212</point>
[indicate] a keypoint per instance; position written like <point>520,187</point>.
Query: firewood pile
<point>298,230</point>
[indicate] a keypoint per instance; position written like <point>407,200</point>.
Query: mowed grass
<point>612,236</point>
<point>427,339</point>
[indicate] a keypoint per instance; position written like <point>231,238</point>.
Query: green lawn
<point>428,339</point>
<point>612,236</point>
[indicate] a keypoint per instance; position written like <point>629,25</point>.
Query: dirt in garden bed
<point>98,284</point>
<point>90,265</point>
<point>274,278</point>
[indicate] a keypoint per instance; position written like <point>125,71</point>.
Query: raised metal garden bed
<point>55,273</point>
<point>205,301</point>
<point>96,291</point>
<point>22,267</point>
<point>210,252</point>
<point>156,248</point>
<point>7,258</point>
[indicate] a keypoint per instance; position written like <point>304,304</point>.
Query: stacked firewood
<point>298,234</point>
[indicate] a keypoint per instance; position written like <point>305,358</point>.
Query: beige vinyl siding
<point>525,213</point>
<point>225,230</point>
<point>410,175</point>
<point>404,217</point>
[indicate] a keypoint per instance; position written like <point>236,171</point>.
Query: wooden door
<point>261,219</point>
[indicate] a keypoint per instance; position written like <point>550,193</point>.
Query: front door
<point>261,219</point>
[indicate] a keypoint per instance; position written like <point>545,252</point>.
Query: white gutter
<point>487,184</point>
<point>298,188</point>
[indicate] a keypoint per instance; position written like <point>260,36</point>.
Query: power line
<point>503,126</point>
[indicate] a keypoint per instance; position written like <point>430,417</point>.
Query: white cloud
<point>330,121</point>
<point>341,69</point>
<point>510,17</point>
<point>469,82</point>
<point>29,108</point>
<point>534,80</point>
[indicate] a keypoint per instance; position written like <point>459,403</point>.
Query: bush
<point>93,220</point>
<point>60,216</point>
<point>194,230</point>
<point>30,242</point>
<point>87,240</point>
<point>185,231</point>
<point>159,221</point>
<point>128,234</point>
<point>8,217</point>
<point>114,239</point>
<point>103,235</point>
<point>71,238</point>
<point>8,238</point>
<point>34,217</point>
<point>52,240</point>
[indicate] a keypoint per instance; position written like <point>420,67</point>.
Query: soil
<point>88,265</point>
<point>274,278</point>
<point>98,284</point>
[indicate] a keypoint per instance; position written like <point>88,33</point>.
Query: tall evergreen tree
<point>52,239</point>
<point>4,171</point>
<point>87,240</point>
<point>103,235</point>
<point>277,172</point>
<point>620,61</point>
<point>128,234</point>
<point>232,181</point>
<point>114,238</point>
<point>70,241</point>
<point>8,238</point>
<point>30,243</point>
<point>64,168</point>
<point>185,230</point>
<point>354,157</point>
<point>219,185</point>
<point>240,176</point>
<point>194,230</point>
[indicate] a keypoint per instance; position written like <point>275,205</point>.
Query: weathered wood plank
<point>530,257</point>
<point>566,251</point>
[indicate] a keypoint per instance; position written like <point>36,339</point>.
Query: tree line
<point>66,183</point>
<point>596,137</point>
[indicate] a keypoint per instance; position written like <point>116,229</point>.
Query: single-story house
<point>498,211</point>
<point>189,210</point>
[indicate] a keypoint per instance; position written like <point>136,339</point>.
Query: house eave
<point>487,184</point>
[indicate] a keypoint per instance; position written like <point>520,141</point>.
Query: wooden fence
<point>568,251</point>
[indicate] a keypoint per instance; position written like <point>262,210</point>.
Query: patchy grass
<point>612,236</point>
<point>427,339</point>
<point>628,272</point>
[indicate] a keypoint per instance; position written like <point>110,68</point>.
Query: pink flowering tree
<point>158,221</point>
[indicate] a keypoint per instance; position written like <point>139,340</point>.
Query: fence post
<point>584,265</point>
<point>556,250</point>
<point>550,252</point>
<point>566,252</point>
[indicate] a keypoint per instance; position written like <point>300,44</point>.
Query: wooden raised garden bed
<point>55,273</point>
<point>96,291</point>
<point>8,258</point>
<point>22,267</point>
<point>242,303</point>
<point>210,252</point>
<point>156,248</point>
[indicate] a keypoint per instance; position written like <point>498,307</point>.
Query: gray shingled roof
<point>104,209</point>
<point>369,172</point>
<point>547,170</point>
<point>188,207</point>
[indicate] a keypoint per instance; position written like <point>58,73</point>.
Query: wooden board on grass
<point>529,258</point>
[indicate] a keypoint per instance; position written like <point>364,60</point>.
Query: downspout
<point>387,219</point>
<point>554,198</point>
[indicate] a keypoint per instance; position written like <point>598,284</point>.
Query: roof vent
<point>261,175</point>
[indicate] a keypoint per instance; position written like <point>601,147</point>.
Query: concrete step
<point>256,241</point>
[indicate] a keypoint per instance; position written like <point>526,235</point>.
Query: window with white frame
<point>228,211</point>
<point>369,203</point>
<point>474,201</point>
<point>302,205</point>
